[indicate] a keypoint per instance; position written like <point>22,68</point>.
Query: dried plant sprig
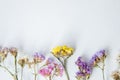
<point>62,53</point>
<point>14,52</point>
<point>98,58</point>
<point>22,62</point>
<point>85,69</point>
<point>4,67</point>
<point>51,69</point>
<point>37,58</point>
<point>3,54</point>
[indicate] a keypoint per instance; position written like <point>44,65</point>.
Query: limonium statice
<point>98,60</point>
<point>51,69</point>
<point>37,58</point>
<point>84,69</point>
<point>62,53</point>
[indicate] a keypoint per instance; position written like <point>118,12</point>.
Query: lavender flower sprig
<point>99,57</point>
<point>84,69</point>
<point>38,58</point>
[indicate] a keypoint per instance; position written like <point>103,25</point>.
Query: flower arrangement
<point>50,68</point>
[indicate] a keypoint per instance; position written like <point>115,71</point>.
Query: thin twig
<point>21,72</point>
<point>16,76</point>
<point>99,66</point>
<point>35,73</point>
<point>65,67</point>
<point>7,70</point>
<point>103,70</point>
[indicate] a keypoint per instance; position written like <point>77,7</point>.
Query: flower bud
<point>13,51</point>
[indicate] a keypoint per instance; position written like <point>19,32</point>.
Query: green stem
<point>64,64</point>
<point>66,71</point>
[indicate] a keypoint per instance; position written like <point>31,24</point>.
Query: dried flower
<point>116,75</point>
<point>62,51</point>
<point>51,69</point>
<point>98,57</point>
<point>13,51</point>
<point>3,54</point>
<point>58,70</point>
<point>84,69</point>
<point>45,72</point>
<point>22,62</point>
<point>38,58</point>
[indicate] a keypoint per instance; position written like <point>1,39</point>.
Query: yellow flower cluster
<point>61,51</point>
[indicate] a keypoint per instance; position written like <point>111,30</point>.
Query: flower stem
<point>35,73</point>
<point>103,74</point>
<point>64,64</point>
<point>103,69</point>
<point>16,76</point>
<point>7,70</point>
<point>50,78</point>
<point>21,72</point>
<point>85,78</point>
<point>66,71</point>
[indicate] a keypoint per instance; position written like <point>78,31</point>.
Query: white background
<point>39,25</point>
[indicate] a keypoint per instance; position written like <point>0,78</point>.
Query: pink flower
<point>51,68</point>
<point>59,70</point>
<point>45,72</point>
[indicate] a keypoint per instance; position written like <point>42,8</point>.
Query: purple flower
<point>99,56</point>
<point>80,74</point>
<point>84,68</point>
<point>38,57</point>
<point>49,61</point>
